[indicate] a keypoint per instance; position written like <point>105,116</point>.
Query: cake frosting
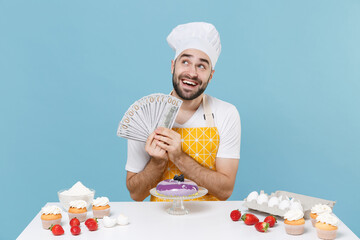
<point>78,204</point>
<point>177,187</point>
<point>51,210</point>
<point>320,209</point>
<point>101,201</point>
<point>294,214</point>
<point>328,218</point>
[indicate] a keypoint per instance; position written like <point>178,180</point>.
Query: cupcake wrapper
<point>294,229</point>
<point>47,223</point>
<point>313,221</point>
<point>101,213</point>
<point>326,234</point>
<point>80,216</point>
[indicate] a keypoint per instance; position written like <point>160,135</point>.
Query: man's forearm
<point>218,184</point>
<point>139,184</point>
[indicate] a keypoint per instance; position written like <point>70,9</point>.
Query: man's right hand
<point>157,153</point>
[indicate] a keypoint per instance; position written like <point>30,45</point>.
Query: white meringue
<point>273,201</point>
<point>284,204</point>
<point>252,196</point>
<point>262,198</point>
<point>109,222</point>
<point>295,204</point>
<point>122,220</point>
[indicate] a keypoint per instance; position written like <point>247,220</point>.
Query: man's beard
<point>182,95</point>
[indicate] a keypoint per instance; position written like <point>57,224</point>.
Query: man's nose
<point>193,71</point>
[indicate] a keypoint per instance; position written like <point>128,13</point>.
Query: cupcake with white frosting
<point>317,210</point>
<point>101,207</point>
<point>294,222</point>
<point>327,226</point>
<point>50,215</point>
<point>78,209</point>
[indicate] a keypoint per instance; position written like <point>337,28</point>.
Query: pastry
<point>326,226</point>
<point>317,210</point>
<point>177,187</point>
<point>101,207</point>
<point>51,215</point>
<point>294,222</point>
<point>78,209</point>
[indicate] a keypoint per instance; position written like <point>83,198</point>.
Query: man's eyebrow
<point>191,56</point>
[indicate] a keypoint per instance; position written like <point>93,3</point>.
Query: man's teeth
<point>190,83</point>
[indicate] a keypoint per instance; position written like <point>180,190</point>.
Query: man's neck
<point>189,105</point>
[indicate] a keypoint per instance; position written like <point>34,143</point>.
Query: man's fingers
<point>164,139</point>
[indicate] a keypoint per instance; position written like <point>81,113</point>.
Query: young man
<point>204,143</point>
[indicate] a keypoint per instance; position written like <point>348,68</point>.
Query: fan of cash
<point>148,113</point>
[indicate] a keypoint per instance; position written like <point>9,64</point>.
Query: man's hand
<point>170,141</point>
<point>152,148</point>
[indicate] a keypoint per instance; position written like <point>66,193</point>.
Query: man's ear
<point>172,66</point>
<point>211,75</point>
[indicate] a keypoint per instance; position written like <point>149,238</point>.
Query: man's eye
<point>202,66</point>
<point>185,62</point>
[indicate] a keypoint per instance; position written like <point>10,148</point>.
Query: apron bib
<point>199,143</point>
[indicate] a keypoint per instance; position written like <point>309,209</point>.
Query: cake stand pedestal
<point>177,207</point>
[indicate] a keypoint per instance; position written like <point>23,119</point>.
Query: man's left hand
<point>170,141</point>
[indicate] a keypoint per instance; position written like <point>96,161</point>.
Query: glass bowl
<point>66,199</point>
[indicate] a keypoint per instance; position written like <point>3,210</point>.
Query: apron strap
<point>208,115</point>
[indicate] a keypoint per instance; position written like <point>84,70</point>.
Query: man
<point>204,143</point>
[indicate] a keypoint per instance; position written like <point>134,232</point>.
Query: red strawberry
<point>249,219</point>
<point>75,230</point>
<point>74,222</point>
<point>92,226</point>
<point>262,226</point>
<point>90,220</point>
<point>235,215</point>
<point>57,229</point>
<point>271,220</point>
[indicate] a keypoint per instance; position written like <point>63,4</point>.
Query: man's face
<point>191,73</point>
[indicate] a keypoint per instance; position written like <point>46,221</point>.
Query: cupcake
<point>326,226</point>
<point>294,222</point>
<point>317,210</point>
<point>101,207</point>
<point>50,215</point>
<point>78,209</point>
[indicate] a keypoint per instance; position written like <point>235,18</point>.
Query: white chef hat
<point>198,35</point>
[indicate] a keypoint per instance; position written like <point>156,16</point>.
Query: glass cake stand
<point>178,207</point>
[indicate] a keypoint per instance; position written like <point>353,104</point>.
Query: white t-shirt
<point>226,119</point>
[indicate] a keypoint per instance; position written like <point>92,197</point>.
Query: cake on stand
<point>178,207</point>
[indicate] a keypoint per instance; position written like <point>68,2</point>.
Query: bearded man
<point>204,143</point>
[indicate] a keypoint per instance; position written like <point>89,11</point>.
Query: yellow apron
<point>199,143</point>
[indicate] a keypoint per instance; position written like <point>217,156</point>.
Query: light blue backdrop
<point>70,69</point>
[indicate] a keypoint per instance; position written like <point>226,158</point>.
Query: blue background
<point>70,69</point>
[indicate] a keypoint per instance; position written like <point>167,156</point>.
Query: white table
<point>149,220</point>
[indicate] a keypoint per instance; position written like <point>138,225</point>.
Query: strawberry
<point>271,220</point>
<point>74,222</point>
<point>262,226</point>
<point>57,229</point>
<point>92,226</point>
<point>90,220</point>
<point>235,215</point>
<point>75,230</point>
<point>249,219</point>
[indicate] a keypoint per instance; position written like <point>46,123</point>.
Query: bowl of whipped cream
<point>77,192</point>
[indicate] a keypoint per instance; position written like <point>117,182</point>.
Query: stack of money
<point>148,113</point>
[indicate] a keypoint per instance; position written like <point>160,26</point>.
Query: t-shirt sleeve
<point>137,157</point>
<point>230,133</point>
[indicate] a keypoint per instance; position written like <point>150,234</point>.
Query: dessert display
<point>77,192</point>
<point>294,222</point>
<point>280,202</point>
<point>78,210</point>
<point>50,215</point>
<point>178,186</point>
<point>317,210</point>
<point>326,226</point>
<point>101,207</point>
